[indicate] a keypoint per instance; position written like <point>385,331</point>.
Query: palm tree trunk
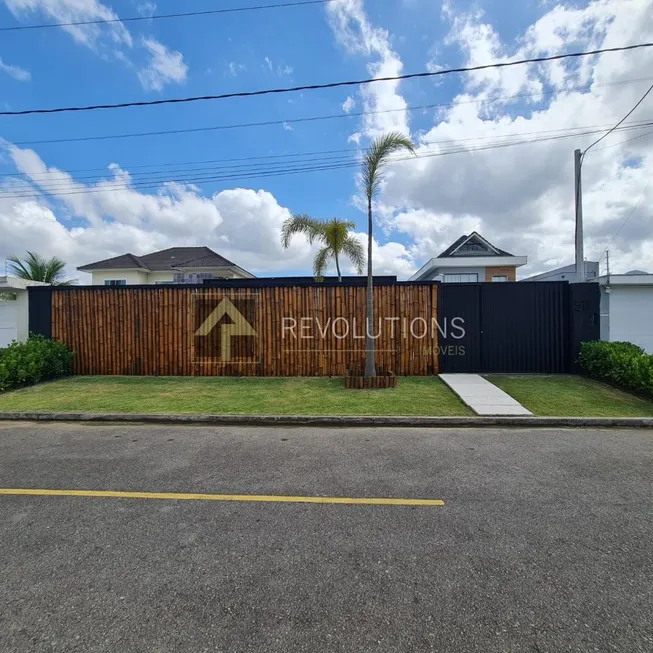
<point>370,370</point>
<point>338,267</point>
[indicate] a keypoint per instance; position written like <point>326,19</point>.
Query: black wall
<point>526,327</point>
<point>40,310</point>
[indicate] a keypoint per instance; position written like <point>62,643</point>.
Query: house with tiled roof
<point>471,259</point>
<point>173,265</point>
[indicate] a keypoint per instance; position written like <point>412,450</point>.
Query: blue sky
<point>265,49</point>
<point>349,39</point>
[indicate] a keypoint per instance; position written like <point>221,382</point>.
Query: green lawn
<point>571,396</point>
<point>234,396</point>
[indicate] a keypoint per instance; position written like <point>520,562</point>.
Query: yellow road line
<point>267,498</point>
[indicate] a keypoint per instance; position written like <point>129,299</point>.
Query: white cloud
<point>110,40</point>
<point>146,8</point>
<point>348,104</point>
<point>16,72</point>
<point>355,33</point>
<point>279,70</point>
<point>389,258</point>
<point>288,127</point>
<point>164,66</point>
<point>242,224</point>
<point>521,197</point>
<point>234,68</point>
<point>111,217</point>
<point>70,11</point>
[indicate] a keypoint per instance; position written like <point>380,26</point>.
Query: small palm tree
<point>374,163</point>
<point>37,268</point>
<point>333,235</point>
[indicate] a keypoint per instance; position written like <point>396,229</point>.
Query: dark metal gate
<point>527,327</point>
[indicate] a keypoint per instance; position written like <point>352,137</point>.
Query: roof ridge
<point>137,260</point>
<point>209,252</point>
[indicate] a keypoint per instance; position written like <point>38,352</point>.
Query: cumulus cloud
<point>16,72</point>
<point>110,40</point>
<point>521,197</point>
<point>82,222</point>
<point>110,217</point>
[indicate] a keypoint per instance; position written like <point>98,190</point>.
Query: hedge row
<point>38,359</point>
<point>619,363</point>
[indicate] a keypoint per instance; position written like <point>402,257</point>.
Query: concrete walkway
<point>483,397</point>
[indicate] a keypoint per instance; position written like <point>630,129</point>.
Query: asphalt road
<point>545,542</point>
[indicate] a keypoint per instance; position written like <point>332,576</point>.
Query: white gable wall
<point>480,271</point>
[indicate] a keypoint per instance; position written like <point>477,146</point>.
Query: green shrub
<point>38,359</point>
<point>620,363</point>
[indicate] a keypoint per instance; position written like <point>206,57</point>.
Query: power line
<point>301,157</point>
<point>129,19</point>
<point>267,123</point>
<point>312,87</point>
<point>598,140</point>
<point>185,163</point>
<point>291,169</point>
<point>627,140</point>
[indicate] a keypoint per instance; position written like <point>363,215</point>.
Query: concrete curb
<point>336,421</point>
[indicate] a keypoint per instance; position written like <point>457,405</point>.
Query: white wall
<point>159,277</point>
<point>132,277</point>
<point>14,319</point>
<point>631,315</point>
<point>8,318</point>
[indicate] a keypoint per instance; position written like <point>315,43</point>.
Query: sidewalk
<point>483,397</point>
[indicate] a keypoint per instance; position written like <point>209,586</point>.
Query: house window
<point>115,282</point>
<point>461,278</point>
<point>499,277</point>
<point>192,277</point>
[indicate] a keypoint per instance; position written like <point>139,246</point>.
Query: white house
<point>471,259</point>
<point>14,314</point>
<point>173,265</point>
<point>627,308</point>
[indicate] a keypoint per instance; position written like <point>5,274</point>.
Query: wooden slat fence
<point>188,331</point>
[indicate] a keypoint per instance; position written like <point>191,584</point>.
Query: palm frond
<point>17,268</point>
<point>301,224</point>
<point>320,262</point>
<point>37,268</point>
<point>336,231</point>
<point>376,157</point>
<point>355,252</point>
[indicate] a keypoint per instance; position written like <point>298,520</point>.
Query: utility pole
<point>607,263</point>
<point>578,192</point>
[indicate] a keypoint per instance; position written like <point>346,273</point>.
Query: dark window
<point>115,282</point>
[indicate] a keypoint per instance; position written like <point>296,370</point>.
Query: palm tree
<point>37,268</point>
<point>374,162</point>
<point>332,234</point>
